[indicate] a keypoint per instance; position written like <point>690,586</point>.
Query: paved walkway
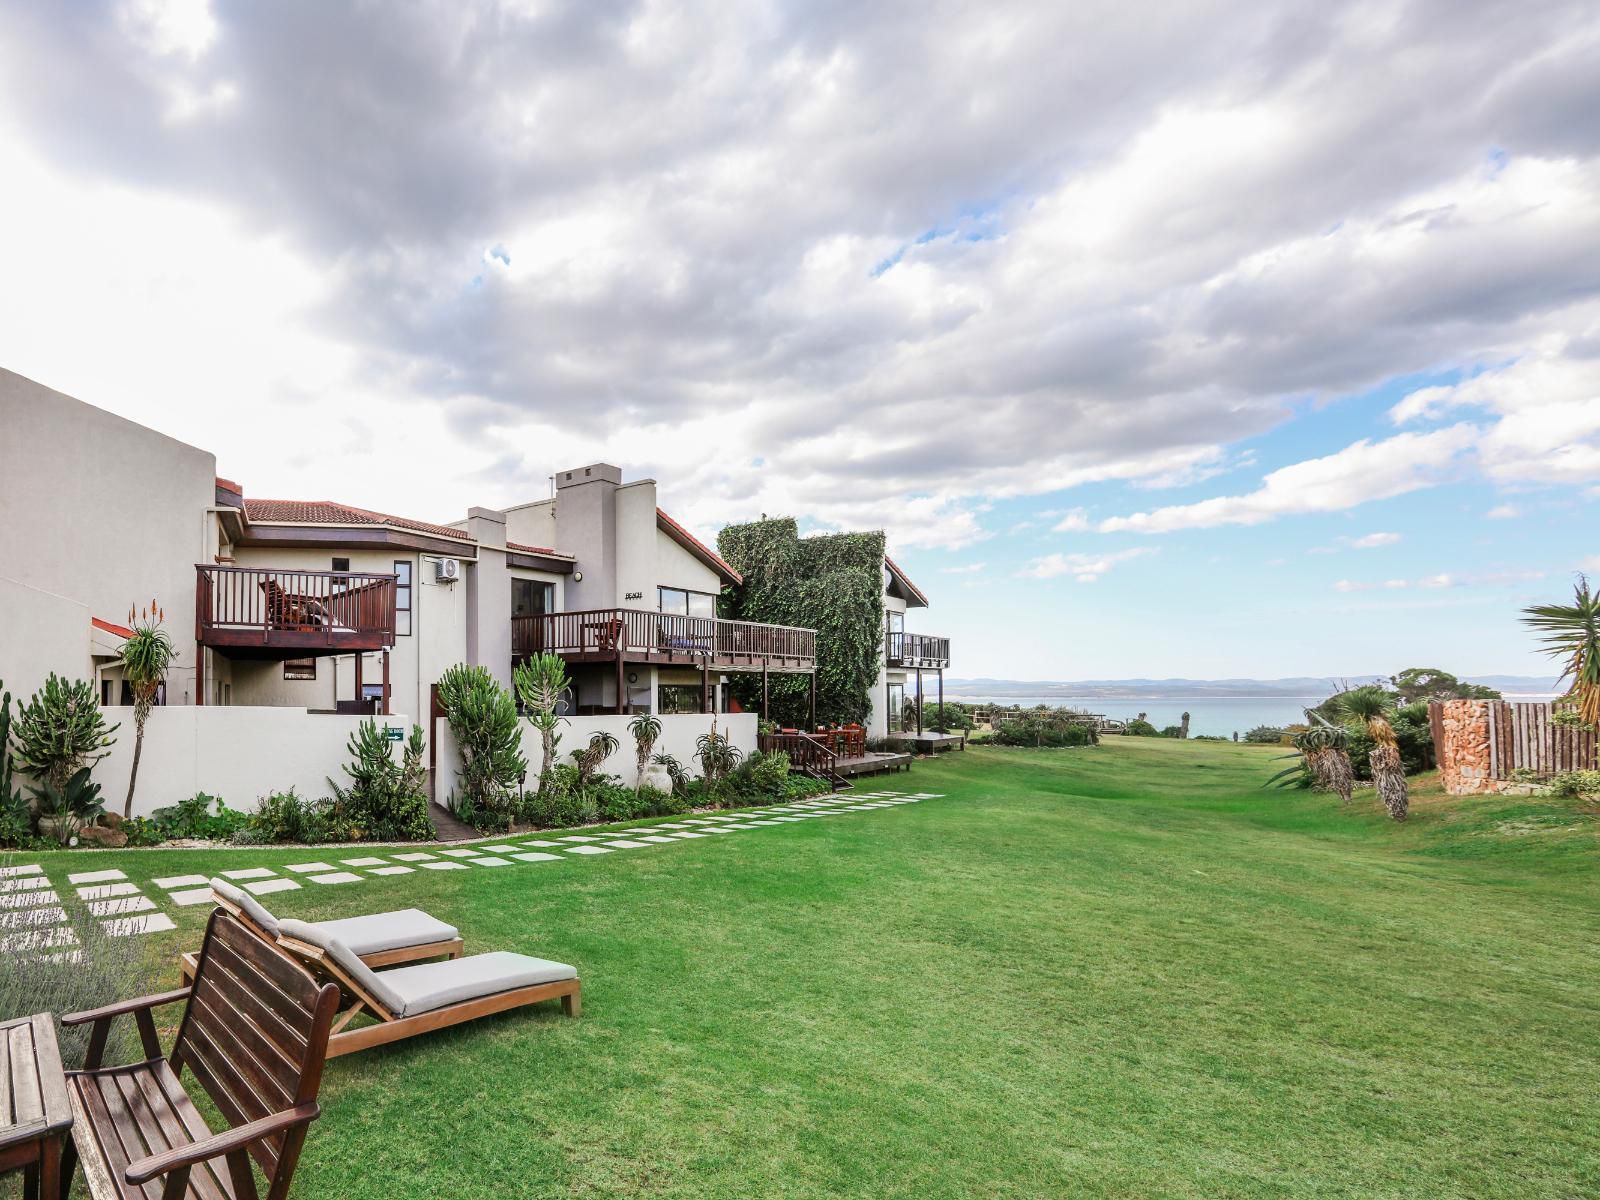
<point>32,918</point>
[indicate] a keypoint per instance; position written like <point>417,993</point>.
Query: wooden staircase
<point>809,756</point>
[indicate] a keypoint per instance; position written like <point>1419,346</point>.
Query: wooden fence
<point>1500,737</point>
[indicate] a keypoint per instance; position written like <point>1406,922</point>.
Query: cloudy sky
<point>1187,339</point>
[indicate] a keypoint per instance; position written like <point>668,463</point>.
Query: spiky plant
<point>1333,743</point>
<point>541,681</point>
<point>1571,633</point>
<point>147,655</point>
<point>1371,705</point>
<point>602,746</point>
<point>646,728</point>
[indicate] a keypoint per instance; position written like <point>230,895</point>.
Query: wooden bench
<point>254,1036</point>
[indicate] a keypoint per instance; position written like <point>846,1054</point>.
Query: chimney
<point>586,520</point>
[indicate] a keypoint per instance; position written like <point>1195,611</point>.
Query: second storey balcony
<point>916,650</point>
<point>639,635</point>
<point>253,612</point>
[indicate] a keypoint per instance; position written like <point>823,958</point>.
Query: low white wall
<point>237,753</point>
<point>678,734</point>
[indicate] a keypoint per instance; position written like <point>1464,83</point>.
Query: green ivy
<point>832,583</point>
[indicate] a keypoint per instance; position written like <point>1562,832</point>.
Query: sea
<point>1220,716</point>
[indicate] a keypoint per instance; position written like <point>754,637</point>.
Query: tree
<point>541,681</point>
<point>147,654</point>
<point>1571,633</point>
<point>646,728</point>
<point>1371,705</point>
<point>483,720</point>
<point>59,730</point>
<point>1416,684</point>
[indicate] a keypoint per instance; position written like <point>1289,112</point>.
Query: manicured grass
<point>1126,971</point>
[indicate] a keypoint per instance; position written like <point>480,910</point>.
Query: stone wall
<point>1461,742</point>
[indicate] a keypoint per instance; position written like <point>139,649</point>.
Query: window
<point>341,564</point>
<point>685,603</point>
<point>681,698</point>
<point>402,597</point>
<point>896,621</point>
<point>532,598</point>
<point>896,707</point>
<point>300,668</point>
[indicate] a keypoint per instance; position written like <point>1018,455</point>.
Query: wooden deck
<point>871,764</point>
<point>629,635</point>
<point>927,743</point>
<point>249,612</point>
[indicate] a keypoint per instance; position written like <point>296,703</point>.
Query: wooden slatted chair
<point>406,1001</point>
<point>254,1036</point>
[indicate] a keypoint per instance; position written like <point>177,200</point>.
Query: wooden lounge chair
<point>254,1036</point>
<point>407,935</point>
<point>405,1001</point>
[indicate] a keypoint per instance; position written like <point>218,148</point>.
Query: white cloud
<point>968,569</point>
<point>1370,541</point>
<point>1442,580</point>
<point>1073,521</point>
<point>1085,568</point>
<point>1503,512</point>
<point>1359,473</point>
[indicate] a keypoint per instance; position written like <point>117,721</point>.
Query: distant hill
<point>1298,685</point>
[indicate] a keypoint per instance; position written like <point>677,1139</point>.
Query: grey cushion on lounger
<point>441,984</point>
<point>252,907</point>
<point>347,960</point>
<point>377,932</point>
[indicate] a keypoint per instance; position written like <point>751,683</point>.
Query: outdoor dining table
<point>34,1110</point>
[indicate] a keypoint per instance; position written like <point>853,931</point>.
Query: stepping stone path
<point>33,920</point>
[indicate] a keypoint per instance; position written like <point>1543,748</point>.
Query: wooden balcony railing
<point>807,753</point>
<point>255,609</point>
<point>639,634</point>
<point>916,650</point>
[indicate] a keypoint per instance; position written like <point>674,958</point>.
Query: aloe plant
<point>601,747</point>
<point>541,681</point>
<point>1372,705</point>
<point>646,729</point>
<point>147,654</point>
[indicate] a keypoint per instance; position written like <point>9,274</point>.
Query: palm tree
<point>646,728</point>
<point>1571,632</point>
<point>541,681</point>
<point>1371,705</point>
<point>1333,742</point>
<point>147,654</point>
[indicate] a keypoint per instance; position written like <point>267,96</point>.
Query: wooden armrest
<point>125,1006</point>
<point>219,1144</point>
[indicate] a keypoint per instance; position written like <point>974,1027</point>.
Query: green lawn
<point>1125,971</point>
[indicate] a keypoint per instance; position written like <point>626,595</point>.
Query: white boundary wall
<point>678,734</point>
<point>237,753</point>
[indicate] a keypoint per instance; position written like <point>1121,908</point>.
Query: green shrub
<point>387,801</point>
<point>193,818</point>
<point>483,720</point>
<point>1578,784</point>
<point>289,817</point>
<point>142,831</point>
<point>1042,730</point>
<point>1139,727</point>
<point>1266,735</point>
<point>61,730</point>
<point>16,816</point>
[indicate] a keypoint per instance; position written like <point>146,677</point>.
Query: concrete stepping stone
<point>443,866</point>
<point>95,876</point>
<point>490,860</point>
<point>190,897</point>
<point>26,883</point>
<point>659,840</point>
<point>535,856</point>
<point>722,828</point>
<point>577,839</point>
<point>687,834</point>
<point>362,862</point>
<point>462,853</point>
<point>336,877</point>
<point>541,845</point>
<point>587,850</point>
<point>265,887</point>
<point>670,825</point>
<point>415,856</point>
<point>13,872</point>
<point>39,939</point>
<point>310,868</point>
<point>32,918</point>
<point>395,871</point>
<point>149,923</point>
<point>124,904</point>
<point>38,895</point>
<point>177,881</point>
<point>622,844</point>
<point>104,891</point>
<point>250,873</point>
<point>754,824</point>
<point>501,849</point>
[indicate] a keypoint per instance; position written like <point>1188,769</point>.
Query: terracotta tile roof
<point>228,485</point>
<point>327,512</point>
<point>905,580</point>
<point>122,631</point>
<point>536,549</point>
<point>695,546</point>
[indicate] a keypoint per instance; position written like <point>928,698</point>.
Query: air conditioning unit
<point>446,570</point>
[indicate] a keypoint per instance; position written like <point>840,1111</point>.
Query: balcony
<point>638,635</point>
<point>248,612</point>
<point>917,651</point>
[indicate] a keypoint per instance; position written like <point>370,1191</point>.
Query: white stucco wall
<point>240,754</point>
<point>678,734</point>
<point>104,512</point>
<point>39,633</point>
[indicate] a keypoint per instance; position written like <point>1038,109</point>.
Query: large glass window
<point>532,597</point>
<point>402,597</point>
<point>681,698</point>
<point>896,707</point>
<point>685,603</point>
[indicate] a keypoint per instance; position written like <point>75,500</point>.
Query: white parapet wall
<point>239,754</point>
<point>679,732</point>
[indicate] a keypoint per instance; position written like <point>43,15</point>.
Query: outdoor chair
<point>254,1036</point>
<point>380,940</point>
<point>406,1001</point>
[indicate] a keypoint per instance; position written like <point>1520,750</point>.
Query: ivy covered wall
<point>832,583</point>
